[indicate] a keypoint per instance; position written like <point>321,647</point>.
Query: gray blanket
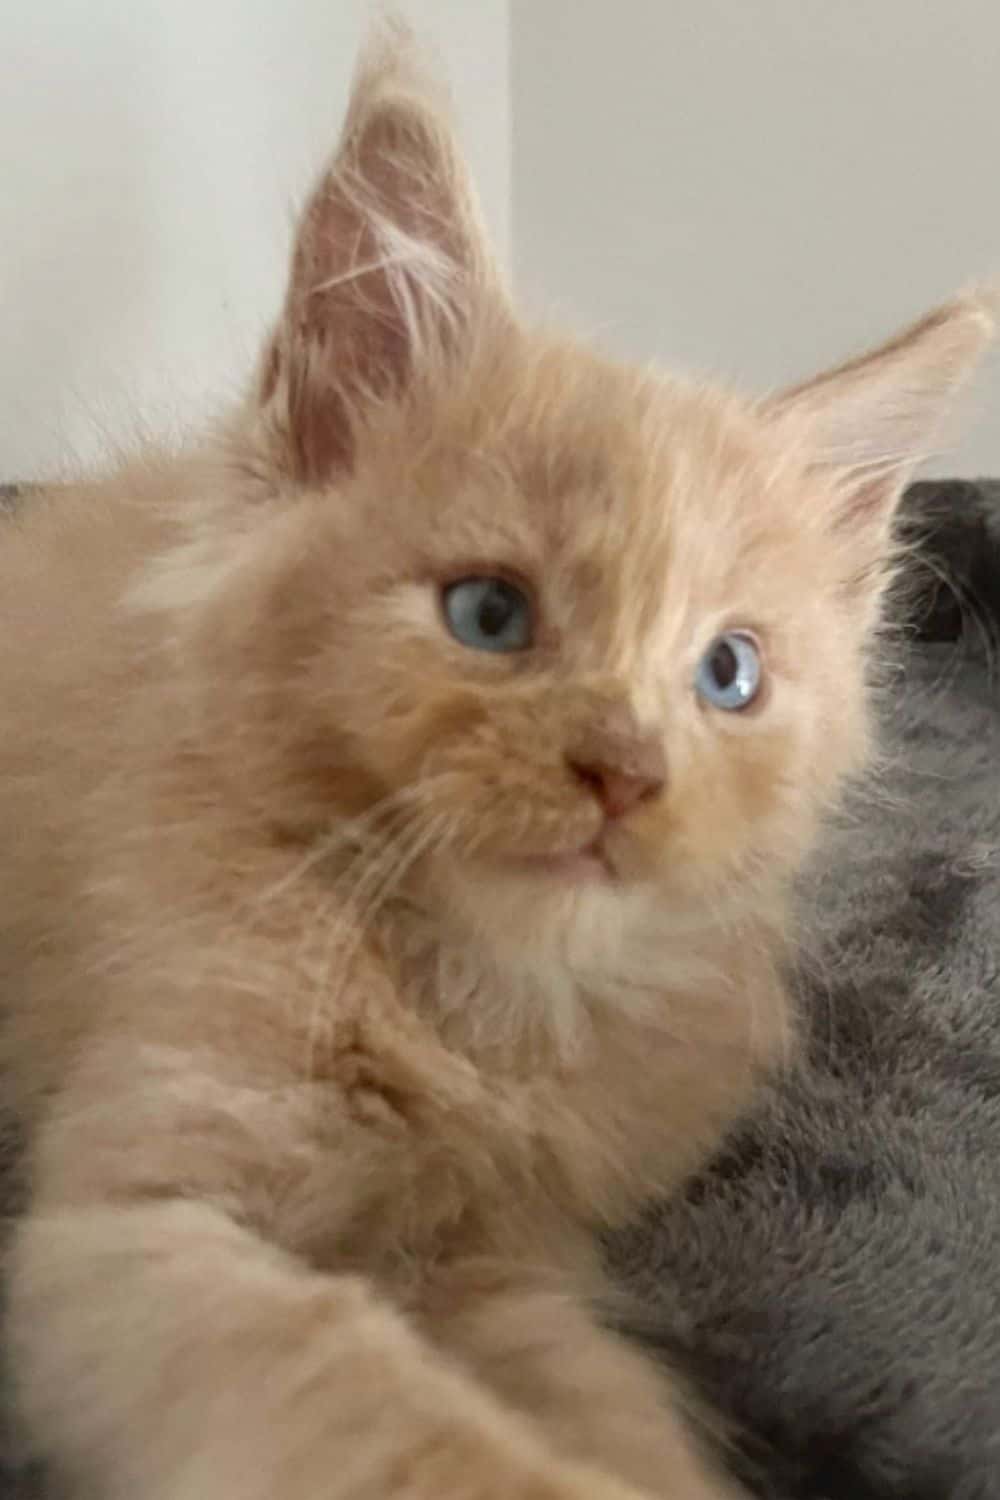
<point>833,1281</point>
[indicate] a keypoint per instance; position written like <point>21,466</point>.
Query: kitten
<point>399,795</point>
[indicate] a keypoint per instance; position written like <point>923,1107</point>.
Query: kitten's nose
<point>622,767</point>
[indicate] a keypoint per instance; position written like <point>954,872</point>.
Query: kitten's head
<point>557,635</point>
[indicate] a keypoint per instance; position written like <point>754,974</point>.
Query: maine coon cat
<point>399,792</point>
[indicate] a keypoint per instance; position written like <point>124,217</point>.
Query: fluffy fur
<point>330,1055</point>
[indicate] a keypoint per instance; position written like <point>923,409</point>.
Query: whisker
<point>378,884</point>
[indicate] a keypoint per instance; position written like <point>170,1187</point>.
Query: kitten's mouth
<point>589,865</point>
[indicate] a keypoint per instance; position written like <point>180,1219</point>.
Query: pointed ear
<point>870,422</point>
<point>390,268</point>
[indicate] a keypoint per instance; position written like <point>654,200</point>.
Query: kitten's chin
<point>613,858</point>
<point>521,904</point>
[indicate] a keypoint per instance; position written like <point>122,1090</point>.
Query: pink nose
<point>622,769</point>
<point>618,791</point>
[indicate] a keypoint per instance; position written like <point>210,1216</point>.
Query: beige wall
<point>151,152</point>
<point>757,188</point>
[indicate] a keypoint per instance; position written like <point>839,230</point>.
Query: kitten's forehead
<point>621,458</point>
<point>635,483</point>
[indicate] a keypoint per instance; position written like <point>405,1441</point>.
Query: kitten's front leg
<point>593,1394</point>
<point>166,1352</point>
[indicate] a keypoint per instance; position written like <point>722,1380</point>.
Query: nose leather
<point>622,764</point>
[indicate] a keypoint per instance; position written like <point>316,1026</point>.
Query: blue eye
<point>488,614</point>
<point>729,674</point>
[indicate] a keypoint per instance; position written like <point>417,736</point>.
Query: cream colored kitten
<point>398,796</point>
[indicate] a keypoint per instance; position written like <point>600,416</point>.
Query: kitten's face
<point>631,524</point>
<point>681,583</point>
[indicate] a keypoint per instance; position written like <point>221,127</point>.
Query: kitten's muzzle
<point>621,764</point>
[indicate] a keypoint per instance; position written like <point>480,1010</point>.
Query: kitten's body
<point>213,1023</point>
<point>334,1041</point>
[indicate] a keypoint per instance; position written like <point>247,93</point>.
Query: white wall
<point>151,153</point>
<point>757,189</point>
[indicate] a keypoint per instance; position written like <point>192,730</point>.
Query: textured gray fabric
<point>833,1282</point>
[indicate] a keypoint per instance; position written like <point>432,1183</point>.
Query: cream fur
<point>327,1092</point>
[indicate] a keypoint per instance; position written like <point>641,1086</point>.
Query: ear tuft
<point>871,421</point>
<point>392,62</point>
<point>867,424</point>
<point>890,406</point>
<point>390,268</point>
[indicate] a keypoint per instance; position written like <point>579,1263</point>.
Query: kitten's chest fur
<point>570,1108</point>
<point>386,1092</point>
